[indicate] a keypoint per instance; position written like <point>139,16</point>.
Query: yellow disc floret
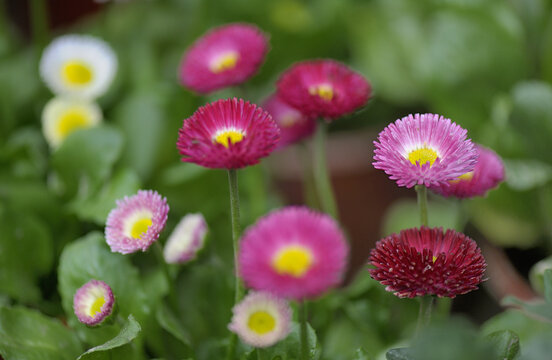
<point>324,91</point>
<point>224,62</point>
<point>294,260</point>
<point>97,305</point>
<point>261,322</point>
<point>139,227</point>
<point>422,156</point>
<point>71,121</point>
<point>230,136</point>
<point>77,73</point>
<point>464,177</point>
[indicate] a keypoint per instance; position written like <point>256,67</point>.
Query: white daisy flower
<point>78,65</point>
<point>261,319</point>
<point>62,116</point>
<point>186,239</point>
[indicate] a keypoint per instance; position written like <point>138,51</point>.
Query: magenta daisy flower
<point>261,319</point>
<point>426,261</point>
<point>323,88</point>
<point>227,134</point>
<point>294,253</point>
<point>225,56</point>
<point>294,126</point>
<point>93,302</point>
<point>487,174</point>
<point>136,222</point>
<point>186,240</point>
<point>424,149</point>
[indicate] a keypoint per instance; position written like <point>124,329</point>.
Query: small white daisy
<point>78,65</point>
<point>261,319</point>
<point>186,239</point>
<point>62,116</point>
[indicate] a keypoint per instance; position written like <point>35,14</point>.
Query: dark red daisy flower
<point>426,261</point>
<point>323,88</point>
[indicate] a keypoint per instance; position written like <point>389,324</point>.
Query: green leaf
<point>85,159</point>
<point>361,354</point>
<point>89,258</point>
<point>514,320</point>
<point>96,208</point>
<point>169,322</point>
<point>290,347</point>
<point>506,343</point>
<point>536,275</point>
<point>527,173</point>
<point>537,309</point>
<point>398,354</point>
<point>548,285</point>
<point>128,333</point>
<point>28,335</point>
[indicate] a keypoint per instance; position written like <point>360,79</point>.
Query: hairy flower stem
<point>421,191</point>
<point>309,188</point>
<point>303,323</point>
<point>170,283</point>
<point>261,355</point>
<point>424,316</point>
<point>39,24</point>
<point>321,175</point>
<point>236,229</point>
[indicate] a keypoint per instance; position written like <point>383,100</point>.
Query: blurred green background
<point>486,64</point>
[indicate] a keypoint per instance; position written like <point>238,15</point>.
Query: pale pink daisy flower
<point>294,253</point>
<point>425,150</point>
<point>225,56</point>
<point>294,125</point>
<point>419,262</point>
<point>136,222</point>
<point>227,134</point>
<point>261,319</point>
<point>186,239</point>
<point>323,88</point>
<point>487,174</point>
<point>93,302</point>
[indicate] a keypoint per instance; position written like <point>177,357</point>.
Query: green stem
<point>261,355</point>
<point>424,316</point>
<point>303,324</point>
<point>165,268</point>
<point>421,191</point>
<point>39,21</point>
<point>321,176</point>
<point>236,229</point>
<point>309,187</point>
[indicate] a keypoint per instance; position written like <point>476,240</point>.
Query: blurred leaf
<point>506,343</point>
<point>26,252</point>
<point>290,347</point>
<point>536,275</point>
<point>169,322</point>
<point>548,285</point>
<point>537,309</point>
<point>514,320</point>
<point>538,348</point>
<point>85,159</point>
<point>360,354</point>
<point>405,214</point>
<point>89,258</point>
<point>96,208</point>
<point>527,174</point>
<point>398,354</point>
<point>28,335</point>
<point>128,333</point>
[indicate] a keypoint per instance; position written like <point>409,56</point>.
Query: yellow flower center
<point>464,177</point>
<point>224,62</point>
<point>71,121</point>
<point>229,136</point>
<point>140,227</point>
<point>324,91</point>
<point>422,156</point>
<point>261,322</point>
<point>77,73</point>
<point>294,260</point>
<point>97,306</point>
<point>434,258</point>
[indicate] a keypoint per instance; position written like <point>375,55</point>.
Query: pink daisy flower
<point>426,261</point>
<point>227,134</point>
<point>487,174</point>
<point>294,126</point>
<point>225,56</point>
<point>186,240</point>
<point>93,302</point>
<point>261,319</point>
<point>424,149</point>
<point>323,88</point>
<point>136,222</point>
<point>294,253</point>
